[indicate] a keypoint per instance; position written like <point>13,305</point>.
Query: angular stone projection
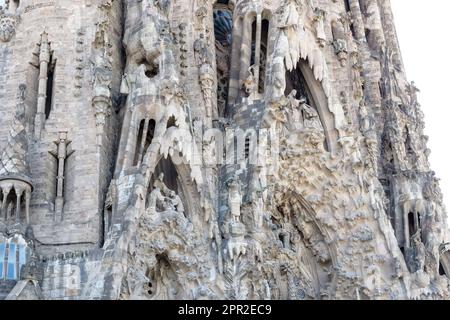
<point>199,149</point>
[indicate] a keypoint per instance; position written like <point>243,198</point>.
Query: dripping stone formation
<point>200,149</point>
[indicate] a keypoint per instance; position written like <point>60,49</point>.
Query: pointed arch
<point>303,80</point>
<point>177,177</point>
<point>313,232</point>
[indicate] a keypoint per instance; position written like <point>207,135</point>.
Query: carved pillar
<point>19,193</point>
<point>406,229</point>
<point>27,206</point>
<point>5,192</point>
<point>390,33</point>
<point>9,211</point>
<point>358,22</point>
<point>102,111</point>
<point>62,154</point>
<point>102,92</point>
<point>246,48</point>
<point>257,51</point>
<point>44,60</point>
<point>319,17</point>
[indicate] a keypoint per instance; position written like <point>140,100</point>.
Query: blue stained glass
<point>22,257</point>
<point>11,273</point>
<point>2,259</point>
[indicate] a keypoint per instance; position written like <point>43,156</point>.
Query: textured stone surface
<point>196,149</point>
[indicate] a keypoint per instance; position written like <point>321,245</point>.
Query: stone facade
<point>196,149</point>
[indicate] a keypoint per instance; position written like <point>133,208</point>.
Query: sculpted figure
<point>249,84</point>
<point>176,202</point>
<point>159,183</point>
<point>204,58</point>
<point>431,233</point>
<point>102,75</point>
<point>419,251</point>
<point>234,200</point>
<point>311,118</point>
<point>412,91</point>
<point>294,115</point>
<point>155,198</point>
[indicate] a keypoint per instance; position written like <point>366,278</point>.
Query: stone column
<point>5,192</point>
<point>358,22</point>
<point>390,32</point>
<point>44,60</point>
<point>27,206</point>
<point>246,49</point>
<point>62,154</point>
<point>19,193</point>
<point>406,228</point>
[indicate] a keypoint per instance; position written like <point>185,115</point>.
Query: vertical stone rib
<point>358,21</point>
<point>44,60</point>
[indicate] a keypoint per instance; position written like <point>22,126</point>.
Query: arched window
<point>223,27</point>
<point>13,256</point>
<point>307,88</point>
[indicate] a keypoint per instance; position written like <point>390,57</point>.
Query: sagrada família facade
<point>201,149</point>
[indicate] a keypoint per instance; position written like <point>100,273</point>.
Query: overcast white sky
<point>423,29</point>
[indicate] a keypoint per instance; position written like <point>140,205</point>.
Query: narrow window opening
<point>253,47</point>
<point>49,93</point>
<point>412,224</point>
<point>108,216</point>
<point>347,5</point>
<point>247,148</point>
<point>382,95</point>
<point>353,30</point>
<point>137,155</point>
<point>223,26</point>
<point>441,270</point>
<point>263,54</point>
<point>149,136</point>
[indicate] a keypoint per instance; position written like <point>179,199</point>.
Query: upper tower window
<point>223,26</point>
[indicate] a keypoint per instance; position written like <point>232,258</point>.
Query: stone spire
<point>13,158</point>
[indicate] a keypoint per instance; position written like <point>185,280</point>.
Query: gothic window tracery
<point>13,256</point>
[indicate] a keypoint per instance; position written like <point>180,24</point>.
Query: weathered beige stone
<point>195,149</point>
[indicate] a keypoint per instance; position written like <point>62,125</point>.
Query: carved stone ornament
<point>8,23</point>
